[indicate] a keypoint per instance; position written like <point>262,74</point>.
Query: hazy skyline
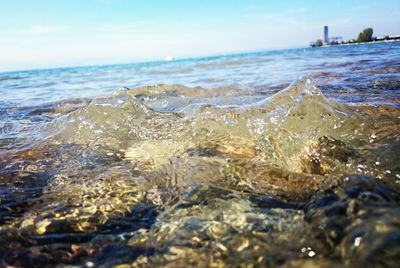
<point>45,33</point>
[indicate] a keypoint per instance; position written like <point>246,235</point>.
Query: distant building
<point>334,40</point>
<point>338,40</point>
<point>326,35</point>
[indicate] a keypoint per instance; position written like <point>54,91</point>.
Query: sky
<point>58,33</point>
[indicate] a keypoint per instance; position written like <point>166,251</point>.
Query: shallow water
<point>236,168</point>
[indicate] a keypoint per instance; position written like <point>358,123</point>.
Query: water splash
<point>206,180</point>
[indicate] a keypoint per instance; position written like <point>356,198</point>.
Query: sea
<point>259,159</point>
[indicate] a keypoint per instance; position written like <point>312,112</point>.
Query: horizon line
<point>184,58</point>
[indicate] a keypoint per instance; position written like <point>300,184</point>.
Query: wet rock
<point>359,210</point>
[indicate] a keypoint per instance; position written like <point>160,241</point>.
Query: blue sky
<point>52,33</point>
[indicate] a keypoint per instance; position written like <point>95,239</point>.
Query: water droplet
<point>357,241</point>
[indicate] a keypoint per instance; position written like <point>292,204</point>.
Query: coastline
<point>362,43</point>
<point>319,43</point>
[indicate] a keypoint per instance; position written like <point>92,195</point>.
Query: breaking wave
<point>168,174</point>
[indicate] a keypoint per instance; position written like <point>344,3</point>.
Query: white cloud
<point>45,29</point>
<point>297,10</point>
<point>108,1</point>
<point>126,28</point>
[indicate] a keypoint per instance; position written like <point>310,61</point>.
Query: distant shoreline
<point>372,42</point>
<point>396,39</point>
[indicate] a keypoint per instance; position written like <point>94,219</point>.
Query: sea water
<point>285,157</point>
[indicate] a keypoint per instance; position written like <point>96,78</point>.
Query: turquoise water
<point>367,68</point>
<point>279,158</point>
<point>367,73</point>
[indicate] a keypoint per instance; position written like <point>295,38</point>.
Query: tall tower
<point>326,34</point>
